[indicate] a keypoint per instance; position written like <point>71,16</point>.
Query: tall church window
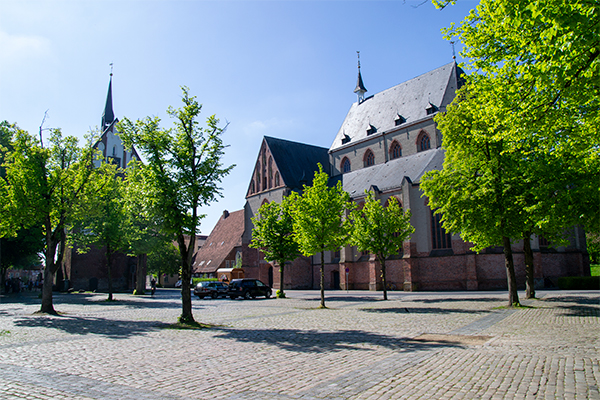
<point>439,238</point>
<point>252,187</point>
<point>369,158</point>
<point>276,179</point>
<point>423,142</point>
<point>258,178</point>
<point>270,172</point>
<point>395,150</point>
<point>346,165</point>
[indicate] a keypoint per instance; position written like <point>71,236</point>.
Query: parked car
<point>213,289</point>
<point>248,289</point>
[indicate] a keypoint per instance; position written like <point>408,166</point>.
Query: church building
<point>386,143</point>
<point>88,271</point>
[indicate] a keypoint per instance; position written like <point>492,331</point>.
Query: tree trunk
<point>383,280</point>
<point>140,274</point>
<point>109,270</point>
<point>281,292</point>
<point>49,270</point>
<point>186,274</point>
<point>323,279</point>
<point>529,282</point>
<point>513,296</point>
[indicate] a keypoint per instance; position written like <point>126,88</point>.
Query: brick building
<point>89,271</point>
<point>386,143</point>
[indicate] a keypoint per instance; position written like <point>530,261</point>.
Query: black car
<point>248,289</point>
<point>213,289</point>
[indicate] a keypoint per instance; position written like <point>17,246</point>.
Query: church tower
<point>110,143</point>
<point>360,89</point>
<point>108,116</point>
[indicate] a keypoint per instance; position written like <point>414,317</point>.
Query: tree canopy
<point>182,173</point>
<point>521,137</point>
<point>49,187</point>
<point>380,230</point>
<point>319,219</point>
<point>273,234</point>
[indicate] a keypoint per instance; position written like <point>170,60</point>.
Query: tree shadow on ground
<point>576,306</point>
<point>347,299</point>
<point>115,329</point>
<point>500,298</point>
<point>314,341</point>
<point>428,310</point>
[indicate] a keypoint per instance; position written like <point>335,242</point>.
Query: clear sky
<point>285,69</point>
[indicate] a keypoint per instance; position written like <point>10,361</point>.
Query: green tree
<point>380,230</point>
<point>534,101</point>
<point>273,235</point>
<point>20,250</point>
<point>319,220</point>
<point>164,259</point>
<point>50,188</point>
<point>106,224</point>
<point>145,234</point>
<point>183,170</point>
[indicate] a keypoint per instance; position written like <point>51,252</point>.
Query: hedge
<point>579,282</point>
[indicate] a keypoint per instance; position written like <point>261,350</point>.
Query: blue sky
<point>285,69</point>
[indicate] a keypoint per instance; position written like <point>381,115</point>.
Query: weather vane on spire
<point>453,51</point>
<point>358,55</point>
<point>111,68</point>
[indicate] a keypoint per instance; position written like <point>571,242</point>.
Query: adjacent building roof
<point>390,175</point>
<point>225,237</point>
<point>297,162</point>
<point>407,102</point>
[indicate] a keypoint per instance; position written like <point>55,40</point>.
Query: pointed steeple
<point>108,116</point>
<point>360,89</point>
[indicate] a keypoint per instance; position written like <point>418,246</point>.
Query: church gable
<point>283,163</point>
<point>266,175</point>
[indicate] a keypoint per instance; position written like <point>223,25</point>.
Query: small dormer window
<point>346,139</point>
<point>371,130</point>
<point>431,109</point>
<point>399,120</point>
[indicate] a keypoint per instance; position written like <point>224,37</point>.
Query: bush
<point>196,280</point>
<point>579,282</point>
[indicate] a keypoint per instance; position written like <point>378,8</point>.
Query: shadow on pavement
<point>315,341</point>
<point>429,310</point>
<point>114,329</point>
<point>576,306</point>
<point>457,299</point>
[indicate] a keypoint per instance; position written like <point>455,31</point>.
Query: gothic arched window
<point>395,150</point>
<point>423,142</point>
<point>369,158</point>
<point>346,167</point>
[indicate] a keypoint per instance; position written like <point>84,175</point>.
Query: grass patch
<point>188,326</point>
<point>4,332</point>
<point>595,269</point>
<point>513,307</point>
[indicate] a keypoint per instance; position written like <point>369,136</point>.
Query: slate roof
<point>297,162</point>
<point>389,175</point>
<point>225,236</point>
<point>409,100</point>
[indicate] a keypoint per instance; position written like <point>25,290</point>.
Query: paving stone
<point>416,345</point>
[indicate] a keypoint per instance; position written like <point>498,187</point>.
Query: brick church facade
<point>89,271</point>
<point>386,143</point>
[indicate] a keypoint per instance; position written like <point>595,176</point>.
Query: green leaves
<point>273,232</point>
<point>318,216</point>
<point>380,230</point>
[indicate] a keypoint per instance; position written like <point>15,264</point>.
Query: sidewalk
<point>444,345</point>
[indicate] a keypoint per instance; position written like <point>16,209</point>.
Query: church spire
<point>108,116</point>
<point>360,89</point>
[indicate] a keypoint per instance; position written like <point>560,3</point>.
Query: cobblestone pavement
<point>450,345</point>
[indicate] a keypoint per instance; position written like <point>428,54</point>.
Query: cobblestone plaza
<point>443,345</point>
